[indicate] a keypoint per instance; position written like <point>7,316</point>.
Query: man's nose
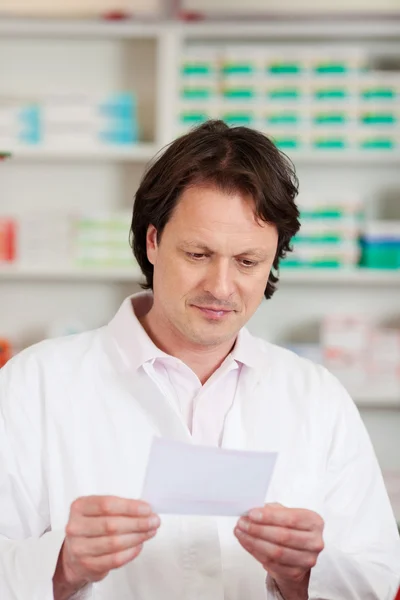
<point>220,281</point>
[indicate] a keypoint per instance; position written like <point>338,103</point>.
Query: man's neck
<point>203,360</point>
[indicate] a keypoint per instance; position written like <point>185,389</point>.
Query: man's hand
<point>287,542</point>
<point>103,533</point>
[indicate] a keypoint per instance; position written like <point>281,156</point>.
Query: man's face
<point>211,266</point>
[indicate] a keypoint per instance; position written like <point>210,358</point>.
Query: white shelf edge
<point>377,404</point>
<point>301,27</point>
<point>70,273</point>
<point>287,276</point>
<point>145,151</point>
<point>88,28</point>
<point>273,28</point>
<point>353,277</point>
<point>138,152</point>
<point>345,158</point>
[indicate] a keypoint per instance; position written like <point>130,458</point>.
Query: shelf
<point>141,152</point>
<point>264,28</point>
<point>306,28</point>
<point>391,157</point>
<point>377,403</point>
<point>70,273</point>
<point>340,276</point>
<point>78,28</point>
<point>146,151</point>
<point>125,274</point>
<point>377,397</point>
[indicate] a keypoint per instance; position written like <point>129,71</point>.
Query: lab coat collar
<point>138,348</point>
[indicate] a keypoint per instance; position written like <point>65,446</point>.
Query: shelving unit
<point>141,152</point>
<point>99,55</point>
<point>347,277</point>
<point>70,273</point>
<point>317,28</point>
<point>347,158</point>
<point>73,28</point>
<point>341,277</point>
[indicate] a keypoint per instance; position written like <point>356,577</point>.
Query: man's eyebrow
<point>196,244</point>
<point>256,252</point>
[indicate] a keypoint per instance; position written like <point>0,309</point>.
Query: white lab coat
<point>75,421</point>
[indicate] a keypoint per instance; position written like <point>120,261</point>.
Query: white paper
<point>199,480</point>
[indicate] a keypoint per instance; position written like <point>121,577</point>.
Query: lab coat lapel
<point>157,407</point>
<point>163,417</point>
<point>236,430</point>
<point>255,421</point>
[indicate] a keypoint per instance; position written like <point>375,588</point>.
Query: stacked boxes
<point>239,86</point>
<point>43,238</point>
<point>365,357</point>
<point>284,98</point>
<point>329,233</point>
<point>381,245</point>
<point>69,120</point>
<point>305,98</point>
<point>84,119</point>
<point>345,342</point>
<point>102,240</point>
<point>61,240</point>
<point>19,122</point>
<point>198,91</point>
<point>379,111</point>
<point>7,240</point>
<point>333,234</point>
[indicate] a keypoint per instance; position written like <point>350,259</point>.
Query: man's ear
<point>151,244</point>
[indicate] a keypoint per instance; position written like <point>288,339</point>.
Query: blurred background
<point>90,90</point>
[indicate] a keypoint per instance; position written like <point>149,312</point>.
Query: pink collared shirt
<point>203,408</point>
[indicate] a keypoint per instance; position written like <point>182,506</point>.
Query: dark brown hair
<point>236,159</point>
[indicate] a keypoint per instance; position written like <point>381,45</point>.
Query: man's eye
<point>196,255</point>
<point>248,263</point>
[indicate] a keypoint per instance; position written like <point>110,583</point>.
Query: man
<point>213,215</point>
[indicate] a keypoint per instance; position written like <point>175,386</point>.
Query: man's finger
<point>282,536</point>
<point>102,546</point>
<point>292,518</point>
<point>96,506</point>
<point>115,525</point>
<point>103,564</point>
<point>279,554</point>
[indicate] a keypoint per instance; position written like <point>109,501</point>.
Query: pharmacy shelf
<point>141,152</point>
<point>343,158</point>
<point>263,29</point>
<point>77,28</point>
<point>70,273</point>
<point>126,274</point>
<point>340,276</point>
<point>333,28</point>
<point>377,402</point>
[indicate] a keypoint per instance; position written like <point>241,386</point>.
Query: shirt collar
<point>248,351</point>
<point>132,339</point>
<point>138,348</point>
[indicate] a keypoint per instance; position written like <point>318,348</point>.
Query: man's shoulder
<point>299,374</point>
<point>52,356</point>
<point>284,358</point>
